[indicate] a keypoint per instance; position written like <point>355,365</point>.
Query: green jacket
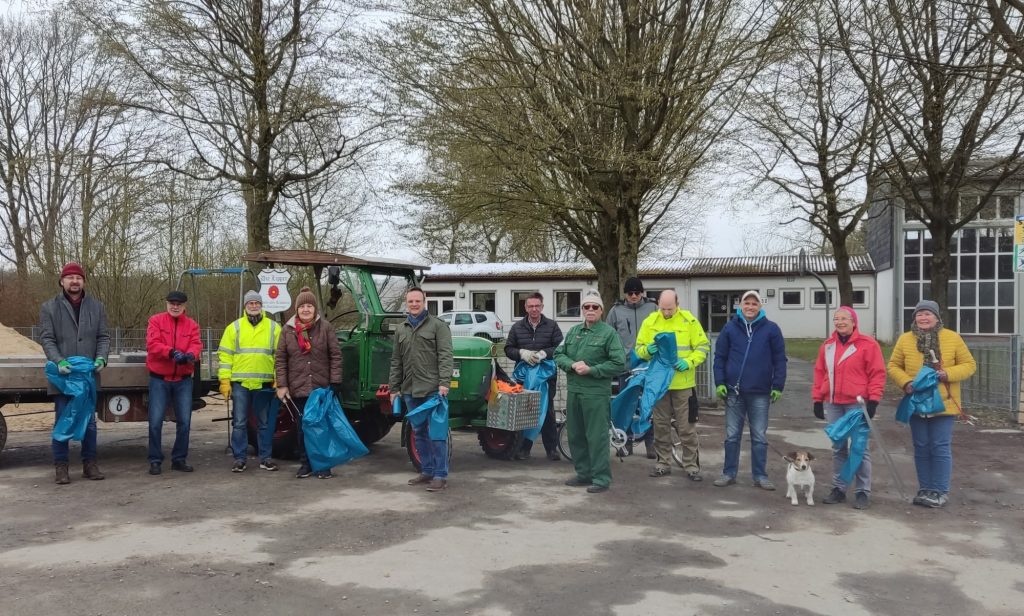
<point>421,360</point>
<point>599,346</point>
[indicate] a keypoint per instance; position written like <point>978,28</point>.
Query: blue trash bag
<point>535,378</point>
<point>435,409</point>
<point>851,426</point>
<point>81,386</point>
<point>926,399</point>
<point>646,387</point>
<point>330,439</point>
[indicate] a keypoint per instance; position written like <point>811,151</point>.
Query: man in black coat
<point>533,339</point>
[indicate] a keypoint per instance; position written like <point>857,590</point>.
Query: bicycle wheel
<point>563,441</point>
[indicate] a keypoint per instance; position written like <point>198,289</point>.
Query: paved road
<point>507,538</point>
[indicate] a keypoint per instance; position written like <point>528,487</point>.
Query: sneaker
<point>238,466</point>
<point>303,472</point>
<point>723,481</point>
<point>660,471</point>
<point>553,456</point>
<point>325,474</point>
<point>154,468</point>
<point>436,485</point>
<point>420,479</point>
<point>91,471</point>
<point>62,476</point>
<point>268,465</point>
<point>694,476</point>
<point>935,499</point>
<point>941,498</point>
<point>576,482</point>
<point>834,497</point>
<point>764,484</point>
<point>596,489</point>
<point>861,500</point>
<point>920,498</point>
<point>181,465</point>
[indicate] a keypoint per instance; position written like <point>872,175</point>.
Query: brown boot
<point>91,471</point>
<point>62,475</point>
<point>419,479</point>
<point>437,485</point>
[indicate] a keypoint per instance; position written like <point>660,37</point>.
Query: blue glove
<point>178,357</point>
<point>190,358</point>
<point>652,349</point>
<point>682,366</point>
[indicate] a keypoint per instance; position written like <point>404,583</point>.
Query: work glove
<point>682,366</point>
<point>528,356</point>
<point>178,357</point>
<point>775,395</point>
<point>541,356</point>
<point>225,388</point>
<point>819,410</point>
<point>99,364</point>
<point>64,366</point>
<point>723,391</point>
<point>652,349</point>
<point>872,408</point>
<point>190,358</point>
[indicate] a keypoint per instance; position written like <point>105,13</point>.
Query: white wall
<point>804,322</point>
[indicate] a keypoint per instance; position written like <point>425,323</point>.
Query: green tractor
<point>363,299</point>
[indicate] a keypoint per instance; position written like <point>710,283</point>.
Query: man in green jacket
<point>591,355</point>
<point>422,365</point>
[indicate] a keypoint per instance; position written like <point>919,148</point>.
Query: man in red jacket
<point>172,345</point>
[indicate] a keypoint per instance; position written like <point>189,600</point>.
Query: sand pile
<point>13,343</point>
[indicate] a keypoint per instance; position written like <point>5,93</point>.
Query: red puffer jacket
<point>845,371</point>
<point>164,335</point>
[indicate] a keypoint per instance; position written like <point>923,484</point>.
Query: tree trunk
<point>842,257</point>
<point>942,235</point>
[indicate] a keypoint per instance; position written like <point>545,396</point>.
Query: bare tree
<point>949,102</point>
<point>248,84</point>
<point>815,134</point>
<point>1008,23</point>
<point>591,117</point>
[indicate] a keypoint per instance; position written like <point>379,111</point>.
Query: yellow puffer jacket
<point>956,360</point>
<point>691,343</point>
<point>246,353</point>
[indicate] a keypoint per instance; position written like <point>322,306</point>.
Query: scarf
<point>928,341</point>
<point>254,320</point>
<point>302,333</point>
<point>415,321</point>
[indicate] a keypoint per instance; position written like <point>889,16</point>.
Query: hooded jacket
<point>845,371</point>
<point>626,319</point>
<point>750,357</point>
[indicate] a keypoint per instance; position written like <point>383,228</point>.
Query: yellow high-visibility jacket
<point>247,353</point>
<point>691,343</point>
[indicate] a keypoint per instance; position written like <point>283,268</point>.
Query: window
<point>567,303</point>
<point>968,203</point>
<point>463,318</point>
<point>447,318</point>
<point>860,297</point>
<point>653,294</point>
<point>480,318</point>
<point>818,299</point>
<point>791,298</point>
<point>519,303</point>
<point>997,207</point>
<point>483,300</point>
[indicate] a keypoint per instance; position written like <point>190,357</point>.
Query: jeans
<point>433,454</point>
<point>933,451</point>
<point>842,451</point>
<point>59,449</point>
<point>264,405</point>
<point>753,409</point>
<point>179,393</point>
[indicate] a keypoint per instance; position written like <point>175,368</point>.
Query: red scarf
<point>302,333</point>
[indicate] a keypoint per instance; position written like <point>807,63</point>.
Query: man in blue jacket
<point>750,374</point>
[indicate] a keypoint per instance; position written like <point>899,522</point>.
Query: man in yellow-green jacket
<point>692,349</point>
<point>591,355</point>
<point>246,376</point>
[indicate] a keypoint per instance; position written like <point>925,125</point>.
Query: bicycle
<point>618,439</point>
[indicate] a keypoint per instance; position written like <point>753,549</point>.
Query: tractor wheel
<point>284,447</point>
<point>410,445</point>
<point>500,444</point>
<point>372,425</point>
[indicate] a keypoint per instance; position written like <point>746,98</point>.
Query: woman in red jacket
<point>849,364</point>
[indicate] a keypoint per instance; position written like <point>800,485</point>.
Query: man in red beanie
<point>74,324</point>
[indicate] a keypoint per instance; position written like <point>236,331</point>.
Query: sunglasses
<point>634,292</point>
<point>591,307</point>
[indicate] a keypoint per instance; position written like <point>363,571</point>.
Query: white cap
<point>748,294</point>
<point>591,296</point>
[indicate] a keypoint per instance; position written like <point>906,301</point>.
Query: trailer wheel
<point>284,447</point>
<point>500,444</point>
<point>3,432</point>
<point>410,445</point>
<point>372,425</point>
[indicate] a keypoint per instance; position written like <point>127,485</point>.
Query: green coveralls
<point>588,408</point>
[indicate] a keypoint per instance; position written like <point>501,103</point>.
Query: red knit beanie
<point>71,269</point>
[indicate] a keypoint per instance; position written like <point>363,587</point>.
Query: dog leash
<point>881,447</point>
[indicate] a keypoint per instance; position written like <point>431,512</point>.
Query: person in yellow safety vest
<point>692,348</point>
<point>247,376</point>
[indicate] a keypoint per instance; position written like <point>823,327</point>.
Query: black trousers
<point>548,430</point>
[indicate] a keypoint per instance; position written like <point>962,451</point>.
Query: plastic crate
<point>514,412</point>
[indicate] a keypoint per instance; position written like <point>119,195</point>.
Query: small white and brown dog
<point>799,475</point>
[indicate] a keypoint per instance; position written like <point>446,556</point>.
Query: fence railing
<point>996,384</point>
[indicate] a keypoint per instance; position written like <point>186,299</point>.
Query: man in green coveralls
<point>591,354</point>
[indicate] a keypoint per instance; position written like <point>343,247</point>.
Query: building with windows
<point>710,288</point>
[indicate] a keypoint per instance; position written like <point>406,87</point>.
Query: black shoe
<point>861,500</point>
<point>576,482</point>
<point>238,466</point>
<point>553,456</point>
<point>834,497</point>
<point>325,474</point>
<point>596,489</point>
<point>182,466</point>
<point>304,471</point>
<point>268,465</point>
<point>154,468</point>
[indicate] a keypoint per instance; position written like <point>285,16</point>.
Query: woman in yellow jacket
<point>929,343</point>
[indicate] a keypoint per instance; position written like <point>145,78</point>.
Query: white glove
<point>541,355</point>
<point>527,355</point>
<point>533,359</point>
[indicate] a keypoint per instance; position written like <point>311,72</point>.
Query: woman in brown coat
<point>308,357</point>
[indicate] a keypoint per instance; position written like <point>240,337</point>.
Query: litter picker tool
<point>881,447</point>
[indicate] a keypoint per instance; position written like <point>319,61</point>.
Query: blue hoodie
<point>750,355</point>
